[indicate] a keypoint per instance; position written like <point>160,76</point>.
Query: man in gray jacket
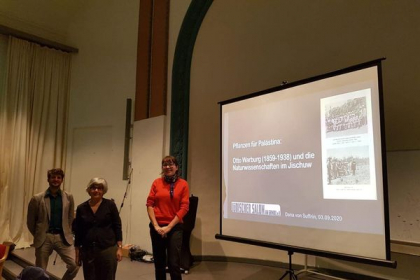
<point>50,216</point>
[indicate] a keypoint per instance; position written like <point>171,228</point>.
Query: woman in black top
<point>98,235</point>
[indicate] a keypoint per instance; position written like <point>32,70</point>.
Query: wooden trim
<point>159,71</point>
<point>152,59</point>
<point>141,104</point>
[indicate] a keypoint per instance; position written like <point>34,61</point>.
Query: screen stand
<point>311,271</point>
<point>290,271</point>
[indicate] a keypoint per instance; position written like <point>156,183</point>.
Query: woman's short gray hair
<point>98,181</point>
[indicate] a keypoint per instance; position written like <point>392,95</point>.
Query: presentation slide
<point>302,166</point>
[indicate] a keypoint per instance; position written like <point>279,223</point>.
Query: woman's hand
<point>166,230</point>
<point>160,230</point>
<point>119,254</point>
<point>77,258</point>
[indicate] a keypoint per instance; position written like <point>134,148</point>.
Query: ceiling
<point>47,19</point>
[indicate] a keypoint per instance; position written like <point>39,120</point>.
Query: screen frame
<point>291,248</point>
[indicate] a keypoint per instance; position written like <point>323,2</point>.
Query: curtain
<point>33,125</point>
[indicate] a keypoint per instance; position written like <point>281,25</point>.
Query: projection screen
<point>303,167</point>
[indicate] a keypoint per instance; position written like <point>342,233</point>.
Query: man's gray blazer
<point>39,214</point>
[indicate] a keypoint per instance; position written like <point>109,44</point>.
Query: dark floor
<point>128,270</point>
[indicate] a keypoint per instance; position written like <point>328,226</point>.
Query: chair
<point>4,251</point>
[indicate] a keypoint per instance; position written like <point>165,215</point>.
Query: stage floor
<point>206,270</point>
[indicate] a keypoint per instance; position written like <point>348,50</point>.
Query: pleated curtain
<point>33,125</point>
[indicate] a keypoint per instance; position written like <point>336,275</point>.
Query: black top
<point>102,229</point>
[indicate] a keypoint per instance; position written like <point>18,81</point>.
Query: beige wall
<point>242,47</point>
<point>247,46</point>
<point>254,45</point>
<point>103,77</point>
<point>42,18</point>
<point>150,144</point>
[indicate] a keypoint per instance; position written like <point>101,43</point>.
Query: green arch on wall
<point>181,81</point>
